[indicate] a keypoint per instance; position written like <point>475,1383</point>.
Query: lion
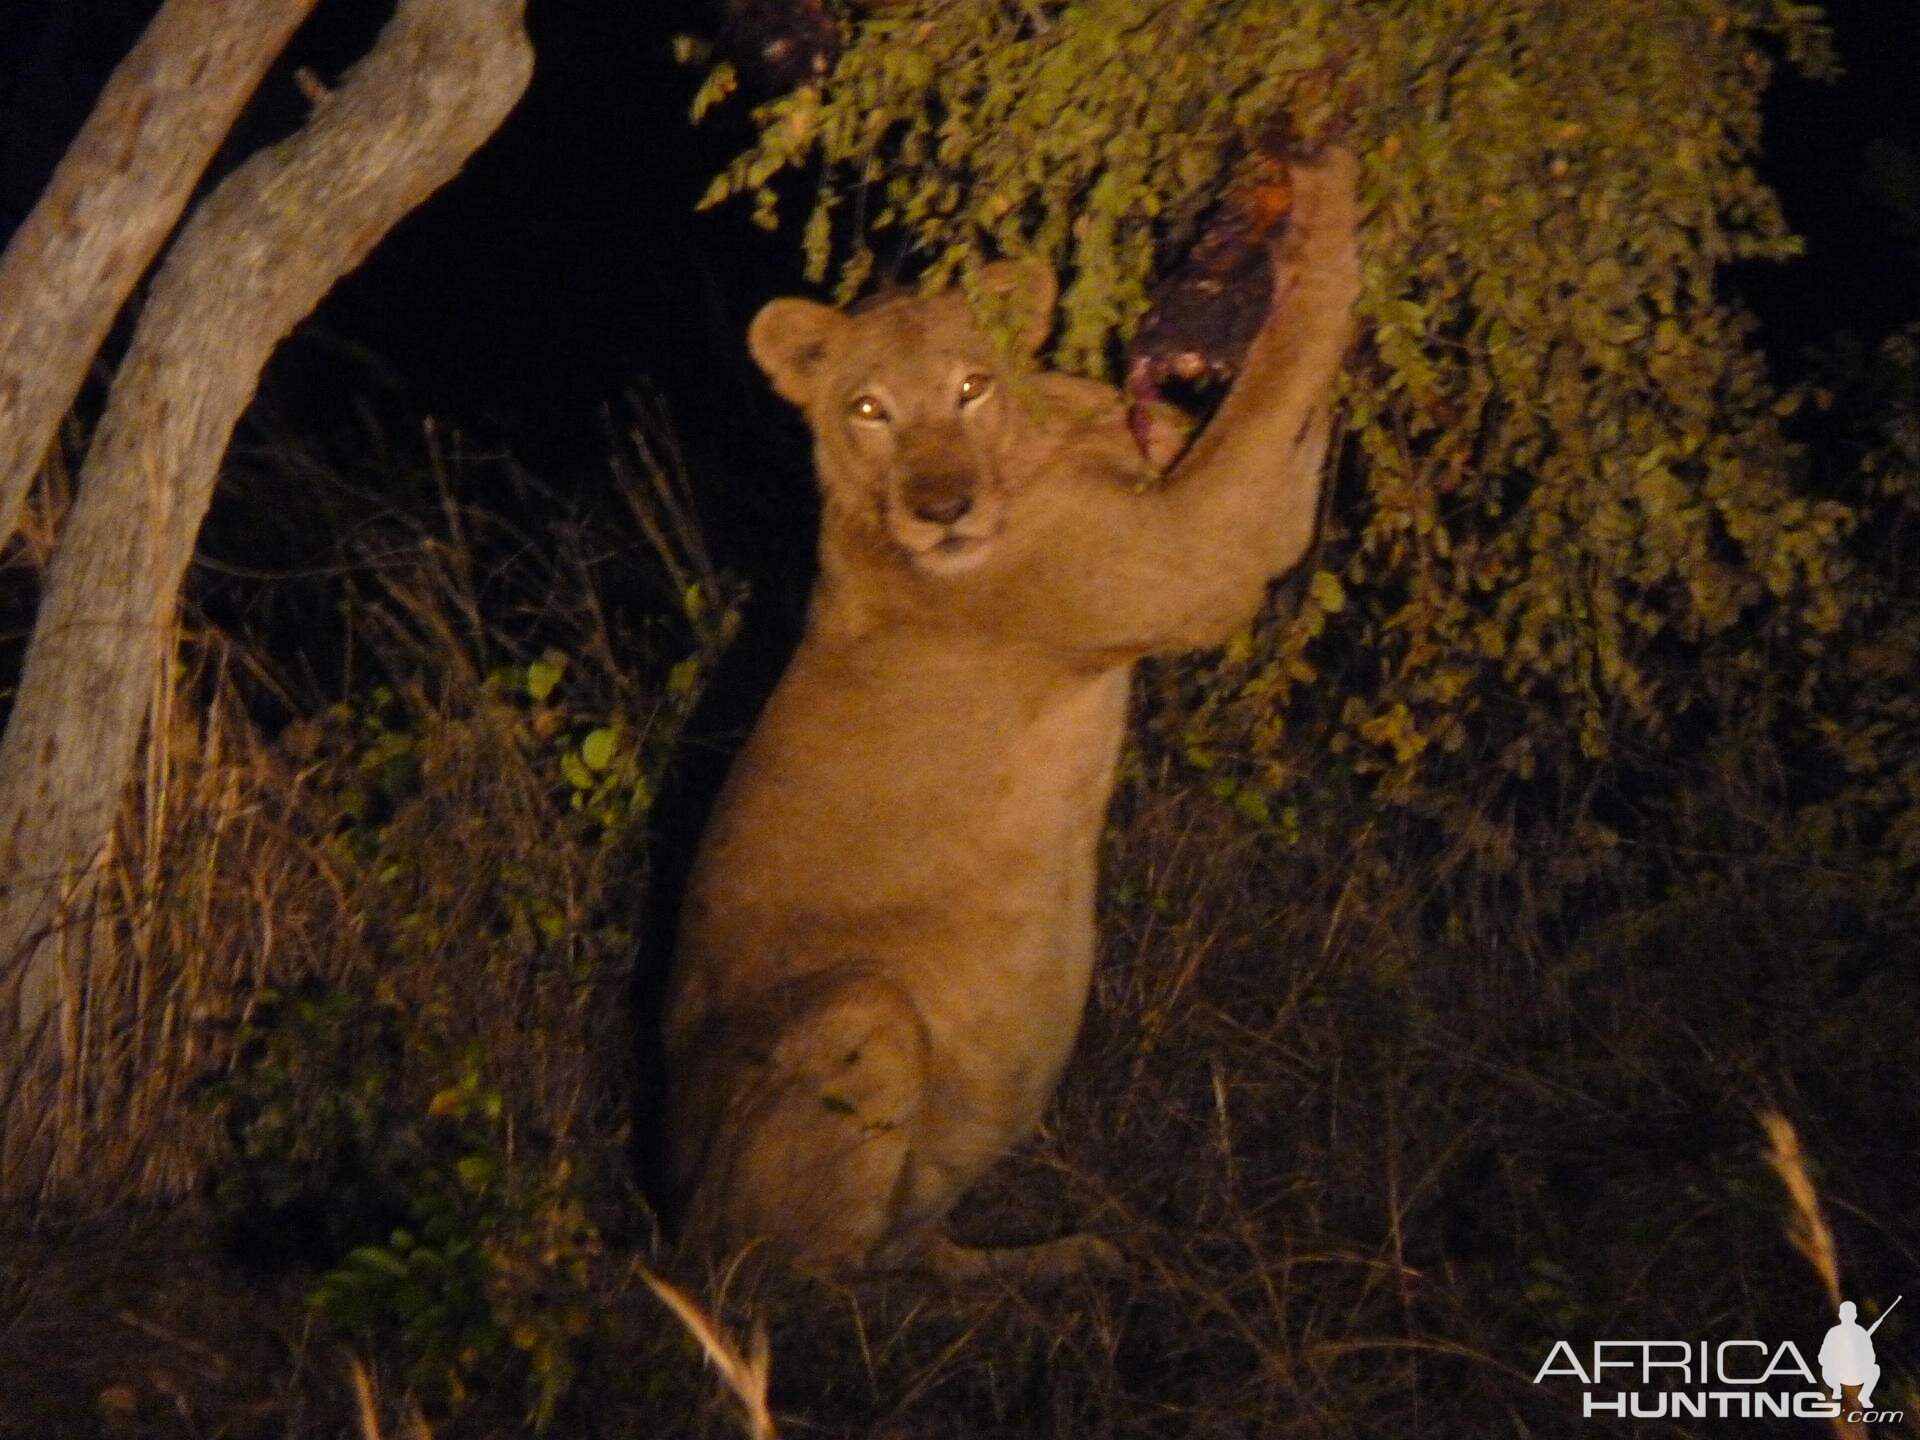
<point>888,935</point>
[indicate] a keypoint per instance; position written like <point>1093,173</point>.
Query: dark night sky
<point>565,265</point>
<point>1859,273</point>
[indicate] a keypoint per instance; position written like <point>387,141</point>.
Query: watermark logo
<point>1846,1355</point>
<point>1727,1380</point>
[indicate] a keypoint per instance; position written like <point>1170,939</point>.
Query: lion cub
<point>887,941</point>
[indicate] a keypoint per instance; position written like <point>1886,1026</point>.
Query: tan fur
<point>887,941</point>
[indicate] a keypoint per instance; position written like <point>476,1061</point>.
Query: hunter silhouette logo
<point>1846,1355</point>
<point>1728,1379</point>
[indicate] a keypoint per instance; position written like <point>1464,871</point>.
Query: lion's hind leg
<point>813,1150</point>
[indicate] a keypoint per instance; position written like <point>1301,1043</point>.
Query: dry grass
<point>230,876</point>
<point>744,1372</point>
<point>1807,1229</point>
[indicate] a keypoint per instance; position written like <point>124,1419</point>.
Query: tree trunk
<point>113,200</point>
<point>255,257</point>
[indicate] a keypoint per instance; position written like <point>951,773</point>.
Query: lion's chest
<point>938,818</point>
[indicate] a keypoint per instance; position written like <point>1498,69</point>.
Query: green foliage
<point>431,1107</point>
<point>378,1115</point>
<point>305,1107</point>
<point>365,1111</point>
<point>493,1254</point>
<point>431,1288</point>
<point>450,1243</point>
<point>1572,463</point>
<point>427,1280</point>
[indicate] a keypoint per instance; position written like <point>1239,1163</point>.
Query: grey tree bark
<point>114,198</point>
<point>256,256</point>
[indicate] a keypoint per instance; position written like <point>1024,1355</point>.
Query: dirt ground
<point>130,1327</point>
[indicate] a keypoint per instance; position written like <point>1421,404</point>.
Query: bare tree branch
<point>112,201</point>
<point>255,257</point>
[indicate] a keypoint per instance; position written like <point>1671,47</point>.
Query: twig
<point>745,1375</point>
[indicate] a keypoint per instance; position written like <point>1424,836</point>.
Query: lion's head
<point>914,408</point>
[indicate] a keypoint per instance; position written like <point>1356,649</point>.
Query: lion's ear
<point>1023,292</point>
<point>788,339</point>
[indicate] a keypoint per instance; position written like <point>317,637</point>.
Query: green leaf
<point>684,678</point>
<point>597,749</point>
<point>1327,591</point>
<point>574,770</point>
<point>544,673</point>
<point>377,1259</point>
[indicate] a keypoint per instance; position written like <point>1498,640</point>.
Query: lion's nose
<point>943,509</point>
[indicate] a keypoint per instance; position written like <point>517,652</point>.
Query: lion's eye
<point>867,407</point>
<point>973,387</point>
